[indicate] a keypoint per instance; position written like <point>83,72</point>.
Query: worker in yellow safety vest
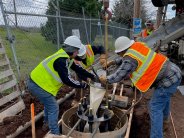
<point>51,74</point>
<point>148,30</point>
<point>147,69</point>
<point>86,56</point>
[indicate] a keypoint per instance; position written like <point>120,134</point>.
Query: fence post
<point>100,24</point>
<point>60,22</point>
<point>90,29</point>
<point>15,10</point>
<point>85,25</point>
<point>57,26</point>
<point>11,39</point>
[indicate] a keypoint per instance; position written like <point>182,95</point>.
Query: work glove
<point>84,85</point>
<point>103,79</point>
<point>102,59</point>
<point>109,63</point>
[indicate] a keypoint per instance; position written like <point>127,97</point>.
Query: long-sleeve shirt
<point>61,66</point>
<point>169,74</point>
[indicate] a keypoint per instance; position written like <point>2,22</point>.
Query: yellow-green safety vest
<point>46,77</point>
<point>90,58</point>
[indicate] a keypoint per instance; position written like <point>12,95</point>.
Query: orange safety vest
<point>90,58</point>
<point>149,65</point>
<point>146,32</point>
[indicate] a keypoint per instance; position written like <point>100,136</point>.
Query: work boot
<point>166,124</point>
<point>45,127</point>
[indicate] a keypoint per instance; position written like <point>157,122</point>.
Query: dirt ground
<point>140,123</point>
<point>10,124</point>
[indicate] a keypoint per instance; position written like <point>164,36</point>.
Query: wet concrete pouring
<point>140,124</point>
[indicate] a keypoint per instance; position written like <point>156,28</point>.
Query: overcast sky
<point>40,6</point>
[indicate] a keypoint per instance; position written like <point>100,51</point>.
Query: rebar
<point>73,128</point>
<point>90,118</point>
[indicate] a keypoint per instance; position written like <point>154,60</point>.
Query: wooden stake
<point>33,121</point>
<point>121,90</point>
<point>106,54</point>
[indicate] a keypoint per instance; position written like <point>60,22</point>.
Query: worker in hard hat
<point>148,30</point>
<point>147,69</point>
<point>51,74</point>
<point>86,56</point>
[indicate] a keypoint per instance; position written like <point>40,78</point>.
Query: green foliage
<point>91,6</point>
<point>68,8</point>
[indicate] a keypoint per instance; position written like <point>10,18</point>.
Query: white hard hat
<point>122,43</point>
<point>73,41</point>
<point>82,50</point>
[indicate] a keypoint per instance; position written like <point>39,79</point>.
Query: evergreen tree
<point>68,8</point>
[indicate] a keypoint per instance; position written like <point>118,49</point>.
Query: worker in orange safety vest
<point>147,69</point>
<point>148,30</point>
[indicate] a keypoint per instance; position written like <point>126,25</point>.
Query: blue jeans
<point>51,108</point>
<point>159,108</point>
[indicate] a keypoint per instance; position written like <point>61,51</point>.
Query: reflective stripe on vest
<point>146,33</point>
<point>46,77</point>
<point>90,58</point>
<point>149,65</point>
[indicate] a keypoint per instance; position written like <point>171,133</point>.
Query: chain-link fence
<point>36,35</point>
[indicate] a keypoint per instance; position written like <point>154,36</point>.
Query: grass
<point>30,48</point>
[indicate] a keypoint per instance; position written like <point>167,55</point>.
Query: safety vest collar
<point>149,32</point>
<point>146,61</point>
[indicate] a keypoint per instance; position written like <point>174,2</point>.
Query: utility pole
<point>136,19</point>
<point>137,11</point>
<point>159,16</point>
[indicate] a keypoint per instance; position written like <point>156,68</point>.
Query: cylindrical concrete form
<point>68,121</point>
